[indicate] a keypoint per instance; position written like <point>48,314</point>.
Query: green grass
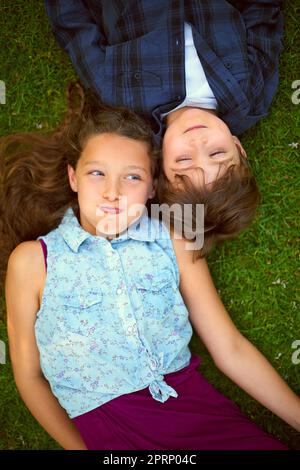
<point>257,274</point>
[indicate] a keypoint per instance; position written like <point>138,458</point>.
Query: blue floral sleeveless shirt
<point>112,320</point>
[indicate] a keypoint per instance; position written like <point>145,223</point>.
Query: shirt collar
<point>144,229</point>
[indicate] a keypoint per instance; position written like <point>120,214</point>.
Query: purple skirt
<point>200,418</point>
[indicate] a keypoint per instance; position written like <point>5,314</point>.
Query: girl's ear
<point>153,189</point>
<point>239,145</point>
<point>72,178</point>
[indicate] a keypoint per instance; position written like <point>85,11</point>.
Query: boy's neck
<point>173,115</point>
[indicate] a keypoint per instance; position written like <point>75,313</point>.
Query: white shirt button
<point>132,329</point>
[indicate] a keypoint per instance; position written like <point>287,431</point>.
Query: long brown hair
<point>34,185</point>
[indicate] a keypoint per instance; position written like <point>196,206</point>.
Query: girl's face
<point>113,179</point>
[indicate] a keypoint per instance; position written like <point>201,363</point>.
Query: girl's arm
<point>232,353</point>
<point>25,273</point>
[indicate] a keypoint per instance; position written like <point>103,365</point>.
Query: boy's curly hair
<point>230,203</point>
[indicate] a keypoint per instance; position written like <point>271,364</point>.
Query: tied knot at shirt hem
<point>161,391</point>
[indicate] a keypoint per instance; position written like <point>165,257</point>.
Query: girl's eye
<point>219,153</point>
<point>134,177</point>
<point>96,173</point>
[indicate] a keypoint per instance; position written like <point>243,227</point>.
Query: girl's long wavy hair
<point>34,184</point>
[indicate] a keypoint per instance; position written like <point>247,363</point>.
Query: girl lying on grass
<point>101,300</point>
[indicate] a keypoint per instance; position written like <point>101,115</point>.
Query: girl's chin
<point>110,228</point>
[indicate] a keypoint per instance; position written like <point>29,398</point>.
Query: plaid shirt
<point>131,52</point>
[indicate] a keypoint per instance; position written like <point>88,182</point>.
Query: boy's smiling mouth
<point>195,127</point>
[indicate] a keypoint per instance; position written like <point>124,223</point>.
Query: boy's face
<point>197,139</point>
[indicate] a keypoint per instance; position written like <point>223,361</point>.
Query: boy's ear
<point>154,188</point>
<point>72,178</point>
<point>239,145</point>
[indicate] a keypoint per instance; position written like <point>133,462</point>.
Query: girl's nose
<point>111,191</point>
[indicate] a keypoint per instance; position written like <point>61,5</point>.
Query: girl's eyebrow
<point>135,167</point>
<point>94,162</point>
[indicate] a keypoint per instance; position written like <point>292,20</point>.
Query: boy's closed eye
<point>216,153</point>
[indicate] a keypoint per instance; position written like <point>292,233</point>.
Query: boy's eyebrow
<point>193,167</point>
<point>129,167</point>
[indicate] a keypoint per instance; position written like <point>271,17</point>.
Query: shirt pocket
<point>237,66</point>
<point>157,294</point>
<point>81,300</point>
<point>136,63</point>
<point>82,312</point>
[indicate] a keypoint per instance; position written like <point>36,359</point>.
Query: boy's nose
<point>198,140</point>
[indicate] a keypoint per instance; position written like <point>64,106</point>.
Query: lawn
<point>257,275</point>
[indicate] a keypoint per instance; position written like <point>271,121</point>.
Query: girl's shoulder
<point>26,253</point>
<point>27,261</point>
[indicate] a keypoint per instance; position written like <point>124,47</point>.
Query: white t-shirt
<point>198,92</point>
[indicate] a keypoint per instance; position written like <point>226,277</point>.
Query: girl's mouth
<point>109,210</point>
